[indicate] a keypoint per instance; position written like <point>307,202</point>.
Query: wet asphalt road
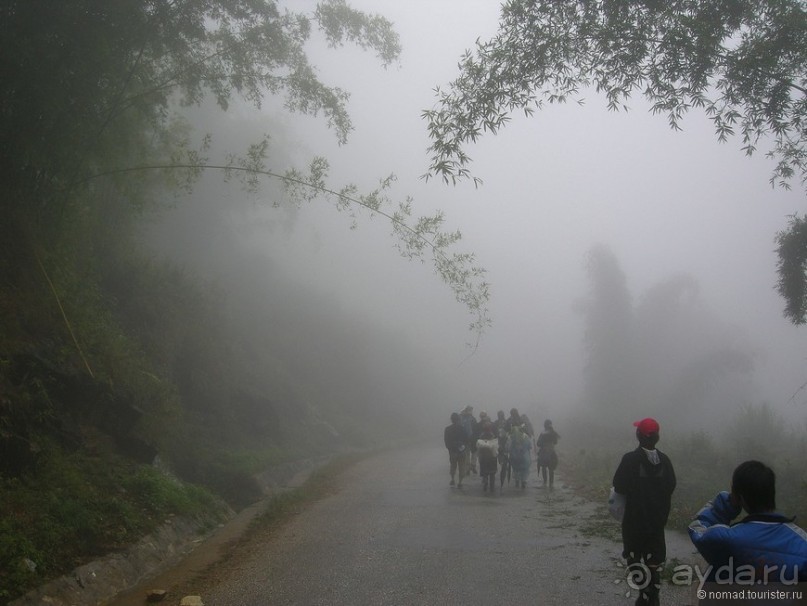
<point>398,534</point>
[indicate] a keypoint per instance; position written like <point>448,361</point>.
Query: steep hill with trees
<point>130,388</point>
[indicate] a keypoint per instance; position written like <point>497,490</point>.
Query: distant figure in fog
<point>546,457</point>
<point>513,420</point>
<point>646,478</point>
<point>502,433</point>
<point>487,445</point>
<point>519,447</point>
<point>525,421</point>
<point>470,425</point>
<point>457,445</point>
<point>483,416</point>
<point>500,421</point>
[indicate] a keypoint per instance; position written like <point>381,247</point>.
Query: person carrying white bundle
<point>487,447</point>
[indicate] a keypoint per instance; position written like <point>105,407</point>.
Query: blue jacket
<point>750,544</point>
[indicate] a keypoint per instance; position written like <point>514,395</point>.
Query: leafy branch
<point>415,237</point>
<point>745,67</point>
<point>220,49</point>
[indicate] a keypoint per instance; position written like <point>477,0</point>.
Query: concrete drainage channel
<point>171,545</point>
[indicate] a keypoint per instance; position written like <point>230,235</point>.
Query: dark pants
<point>457,460</point>
<point>645,554</point>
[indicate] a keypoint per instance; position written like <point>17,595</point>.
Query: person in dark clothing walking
<point>457,445</point>
<point>471,427</point>
<point>547,458</point>
<point>487,445</point>
<point>645,477</point>
<point>514,420</point>
<point>504,460</point>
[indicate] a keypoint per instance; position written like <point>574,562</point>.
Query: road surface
<point>397,533</point>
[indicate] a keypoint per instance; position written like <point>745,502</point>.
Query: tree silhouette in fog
<point>668,351</point>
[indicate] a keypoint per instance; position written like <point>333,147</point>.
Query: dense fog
<point>632,267</point>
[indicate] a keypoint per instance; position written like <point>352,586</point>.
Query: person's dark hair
<point>755,482</point>
<point>455,417</point>
<point>647,441</point>
<point>548,428</point>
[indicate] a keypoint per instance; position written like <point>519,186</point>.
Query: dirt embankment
<point>395,534</point>
<point>179,549</point>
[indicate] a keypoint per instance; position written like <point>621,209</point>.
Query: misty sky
<point>554,185</point>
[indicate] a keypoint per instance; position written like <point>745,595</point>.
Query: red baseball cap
<point>647,426</point>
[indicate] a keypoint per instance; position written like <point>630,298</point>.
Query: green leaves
<point>742,62</point>
<point>93,90</point>
<point>91,86</point>
<point>792,284</point>
<point>416,238</point>
<point>341,23</point>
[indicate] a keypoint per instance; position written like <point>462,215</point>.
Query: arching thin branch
<point>464,280</point>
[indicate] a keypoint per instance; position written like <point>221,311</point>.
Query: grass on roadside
<point>78,507</point>
<point>703,463</point>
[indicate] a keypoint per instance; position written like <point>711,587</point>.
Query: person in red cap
<point>645,477</point>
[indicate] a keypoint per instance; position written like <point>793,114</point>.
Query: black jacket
<point>455,438</point>
<point>648,492</point>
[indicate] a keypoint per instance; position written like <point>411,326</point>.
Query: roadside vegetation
<point>131,388</point>
<point>703,460</point>
<point>182,409</point>
<point>81,505</point>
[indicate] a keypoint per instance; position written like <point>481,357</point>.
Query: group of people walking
<point>764,551</point>
<point>503,445</point>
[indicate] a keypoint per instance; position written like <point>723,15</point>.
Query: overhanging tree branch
<point>743,63</point>
<point>457,270</point>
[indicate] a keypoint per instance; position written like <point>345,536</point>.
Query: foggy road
<point>396,533</point>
